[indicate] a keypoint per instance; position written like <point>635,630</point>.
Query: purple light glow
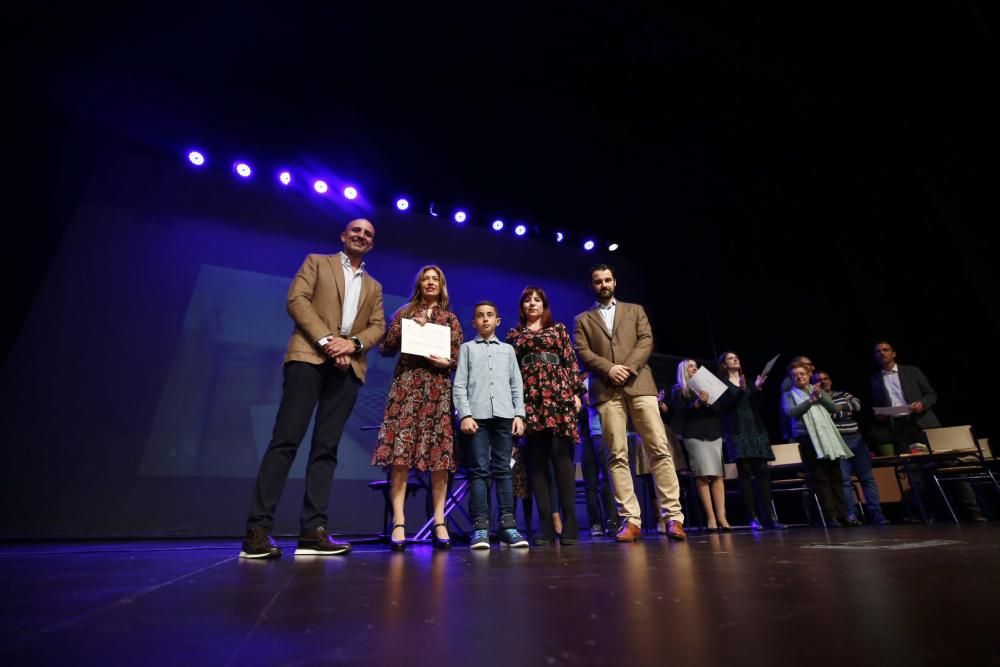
<point>497,225</point>
<point>351,192</point>
<point>588,245</point>
<point>285,178</point>
<point>559,237</point>
<point>242,169</point>
<point>402,204</point>
<point>461,216</point>
<point>321,187</point>
<point>520,230</point>
<point>196,158</point>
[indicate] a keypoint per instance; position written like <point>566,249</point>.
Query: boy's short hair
<point>485,302</point>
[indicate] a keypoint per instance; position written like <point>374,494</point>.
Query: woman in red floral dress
<point>416,430</point>
<point>552,391</point>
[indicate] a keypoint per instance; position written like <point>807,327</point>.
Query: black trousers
<point>543,447</point>
<point>333,393</point>
<point>597,482</point>
<point>750,468</point>
<point>825,478</point>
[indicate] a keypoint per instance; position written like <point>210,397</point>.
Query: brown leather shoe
<point>258,544</point>
<point>629,532</point>
<point>318,542</point>
<point>675,531</point>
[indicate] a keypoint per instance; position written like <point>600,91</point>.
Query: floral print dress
<point>548,387</point>
<point>416,431</point>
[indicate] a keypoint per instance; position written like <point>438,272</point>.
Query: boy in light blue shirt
<point>489,399</point>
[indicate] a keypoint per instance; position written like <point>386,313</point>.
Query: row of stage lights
<point>350,192</point>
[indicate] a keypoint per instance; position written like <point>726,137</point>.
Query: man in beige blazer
<point>337,309</point>
<point>614,340</point>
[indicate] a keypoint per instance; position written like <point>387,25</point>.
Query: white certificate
<point>893,411</point>
<point>705,380</point>
<point>426,340</point>
<point>770,364</point>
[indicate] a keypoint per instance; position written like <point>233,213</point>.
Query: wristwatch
<point>358,346</point>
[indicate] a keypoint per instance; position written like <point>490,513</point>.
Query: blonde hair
<point>413,305</point>
<point>682,380</point>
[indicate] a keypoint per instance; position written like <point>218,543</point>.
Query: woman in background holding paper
<point>746,439</point>
<point>696,418</point>
<point>552,391</point>
<point>417,428</point>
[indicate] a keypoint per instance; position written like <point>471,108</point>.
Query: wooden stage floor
<point>900,595</point>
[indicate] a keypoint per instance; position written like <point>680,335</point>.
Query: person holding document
<point>746,439</point>
<point>908,389</point>
<point>416,431</point>
<point>697,422</point>
<point>552,391</point>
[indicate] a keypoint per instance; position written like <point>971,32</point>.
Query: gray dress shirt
<point>488,381</point>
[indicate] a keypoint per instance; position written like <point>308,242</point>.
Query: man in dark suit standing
<point>337,309</point>
<point>896,385</point>
<point>614,340</point>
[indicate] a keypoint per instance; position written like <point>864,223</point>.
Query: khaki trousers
<point>646,419</point>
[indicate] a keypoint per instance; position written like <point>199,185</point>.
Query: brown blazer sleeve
<point>584,333</point>
<point>639,354</point>
<point>300,301</point>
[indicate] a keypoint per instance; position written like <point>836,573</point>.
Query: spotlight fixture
<point>559,237</point>
<point>242,169</point>
<point>461,216</point>
<point>497,225</point>
<point>285,178</point>
<point>196,158</point>
<point>321,187</point>
<point>612,247</point>
<point>402,204</point>
<point>351,192</point>
<point>520,230</point>
<point>588,245</point>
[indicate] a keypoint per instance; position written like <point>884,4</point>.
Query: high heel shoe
<point>401,544</point>
<point>436,541</point>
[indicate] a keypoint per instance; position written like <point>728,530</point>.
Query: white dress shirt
<point>608,314</point>
<point>890,379</point>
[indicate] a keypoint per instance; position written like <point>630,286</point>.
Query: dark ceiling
<point>587,114</point>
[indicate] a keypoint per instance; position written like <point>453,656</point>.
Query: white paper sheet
<point>892,411</point>
<point>426,340</point>
<point>705,380</point>
<point>770,364</point>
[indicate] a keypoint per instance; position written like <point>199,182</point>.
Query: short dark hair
<point>884,342</point>
<point>485,302</point>
<point>603,267</point>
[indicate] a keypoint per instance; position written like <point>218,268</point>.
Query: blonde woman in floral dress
<point>416,431</point>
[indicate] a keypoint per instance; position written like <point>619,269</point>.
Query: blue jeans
<point>862,467</point>
<point>597,482</point>
<point>490,450</point>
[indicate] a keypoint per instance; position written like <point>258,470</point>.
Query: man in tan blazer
<point>337,309</point>
<point>614,340</point>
